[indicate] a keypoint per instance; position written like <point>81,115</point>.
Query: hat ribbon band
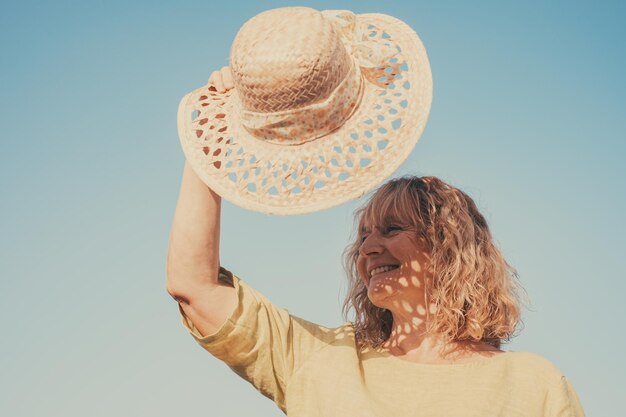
<point>304,124</point>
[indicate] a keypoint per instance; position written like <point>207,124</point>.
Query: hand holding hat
<point>221,79</point>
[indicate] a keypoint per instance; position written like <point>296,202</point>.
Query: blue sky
<point>527,118</point>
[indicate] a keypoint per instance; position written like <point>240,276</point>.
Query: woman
<point>433,298</point>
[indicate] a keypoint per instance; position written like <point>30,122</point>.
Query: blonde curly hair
<point>475,291</point>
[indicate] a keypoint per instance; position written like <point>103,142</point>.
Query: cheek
<point>360,266</point>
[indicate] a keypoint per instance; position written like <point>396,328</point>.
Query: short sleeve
<point>260,342</point>
<point>563,401</point>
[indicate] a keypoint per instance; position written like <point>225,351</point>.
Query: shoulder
<point>530,359</point>
<point>560,396</point>
<point>532,373</point>
<point>533,365</point>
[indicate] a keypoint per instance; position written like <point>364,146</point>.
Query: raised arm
<point>193,255</point>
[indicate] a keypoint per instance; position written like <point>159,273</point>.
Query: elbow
<point>186,278</point>
<point>179,298</point>
<point>172,285</point>
<point>175,292</point>
<point>184,285</point>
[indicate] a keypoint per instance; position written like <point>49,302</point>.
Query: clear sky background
<point>528,117</point>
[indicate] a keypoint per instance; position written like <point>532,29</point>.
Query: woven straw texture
<point>325,107</point>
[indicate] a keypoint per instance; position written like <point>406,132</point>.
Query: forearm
<point>193,254</point>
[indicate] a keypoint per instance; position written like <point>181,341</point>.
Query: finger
<point>212,78</point>
<point>227,78</point>
<point>216,81</point>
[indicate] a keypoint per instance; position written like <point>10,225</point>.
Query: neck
<point>409,338</point>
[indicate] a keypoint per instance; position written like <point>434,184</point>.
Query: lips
<point>381,269</point>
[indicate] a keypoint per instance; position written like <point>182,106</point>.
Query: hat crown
<point>287,58</point>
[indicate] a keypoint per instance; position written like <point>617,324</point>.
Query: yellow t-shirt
<point>313,371</point>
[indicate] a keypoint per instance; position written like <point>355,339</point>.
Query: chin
<point>380,297</point>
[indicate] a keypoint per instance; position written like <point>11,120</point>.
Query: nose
<point>371,245</point>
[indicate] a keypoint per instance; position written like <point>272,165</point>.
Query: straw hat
<point>325,106</point>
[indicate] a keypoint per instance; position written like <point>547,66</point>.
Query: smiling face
<point>393,262</point>
<point>422,242</point>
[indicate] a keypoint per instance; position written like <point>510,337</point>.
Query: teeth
<point>382,269</point>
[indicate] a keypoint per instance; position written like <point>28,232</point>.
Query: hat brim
<point>345,164</point>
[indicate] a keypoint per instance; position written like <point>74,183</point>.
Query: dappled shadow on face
<point>403,290</point>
